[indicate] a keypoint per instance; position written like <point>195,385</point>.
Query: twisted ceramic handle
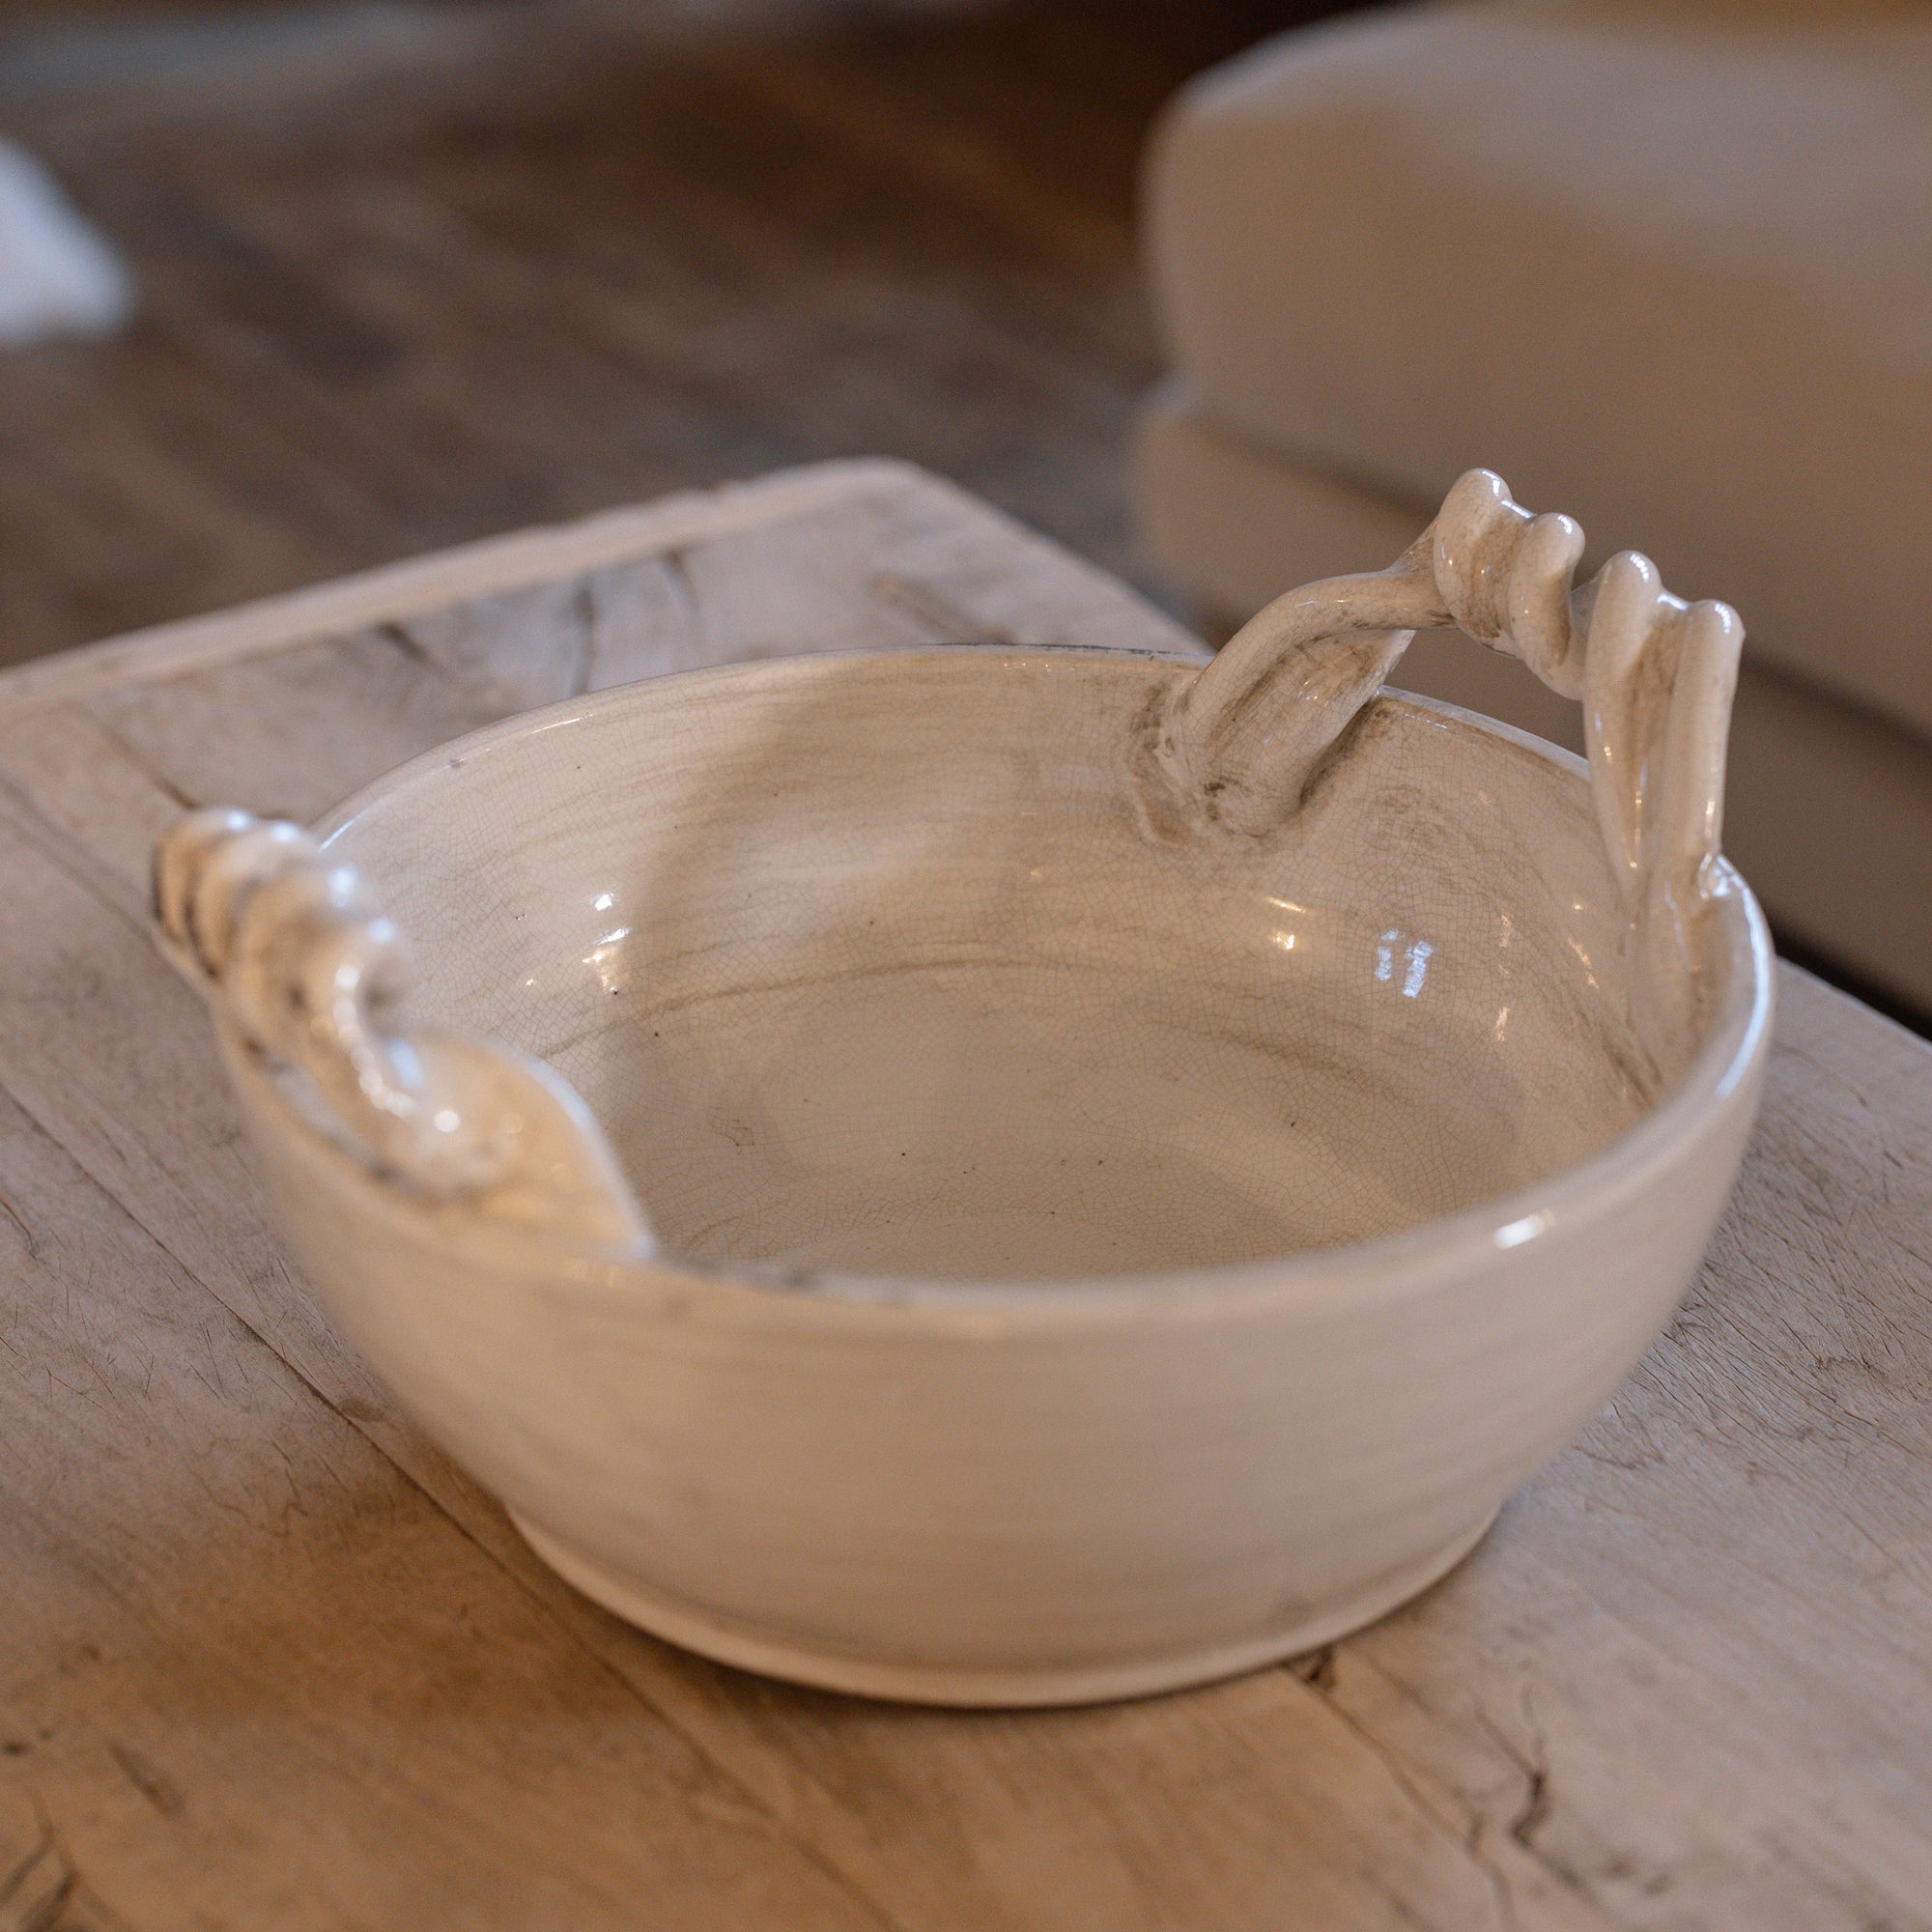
<point>1240,742</point>
<point>304,973</point>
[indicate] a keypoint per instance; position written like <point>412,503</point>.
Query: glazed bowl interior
<point>877,964</point>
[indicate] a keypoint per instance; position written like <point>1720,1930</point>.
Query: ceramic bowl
<point>1010,1176</point>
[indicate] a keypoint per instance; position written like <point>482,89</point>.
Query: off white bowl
<point>1095,1244</point>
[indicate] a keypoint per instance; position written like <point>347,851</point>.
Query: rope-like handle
<point>307,974</point>
<point>1239,742</point>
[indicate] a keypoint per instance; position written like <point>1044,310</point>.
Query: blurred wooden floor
<point>418,273</point>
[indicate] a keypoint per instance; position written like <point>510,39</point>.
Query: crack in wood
<point>1318,1673</point>
<point>676,562</point>
<point>44,1891</point>
<point>1316,1670</point>
<point>583,617</point>
<point>19,814</point>
<point>929,607</point>
<point>139,759</point>
<point>148,1778</point>
<point>28,1237</point>
<point>1539,1796</point>
<point>400,636</point>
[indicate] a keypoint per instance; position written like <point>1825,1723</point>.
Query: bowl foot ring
<point>771,1654</point>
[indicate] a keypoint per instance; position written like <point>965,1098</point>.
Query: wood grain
<point>267,1657</point>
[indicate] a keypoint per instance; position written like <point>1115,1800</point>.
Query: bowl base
<point>771,1655</point>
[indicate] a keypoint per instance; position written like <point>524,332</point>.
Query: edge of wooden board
<point>392,592</point>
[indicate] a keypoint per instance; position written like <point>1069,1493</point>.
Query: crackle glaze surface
<point>1056,1189</point>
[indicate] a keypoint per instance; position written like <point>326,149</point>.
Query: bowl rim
<point>1385,1267</point>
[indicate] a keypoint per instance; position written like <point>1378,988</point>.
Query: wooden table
<point>266,1659</point>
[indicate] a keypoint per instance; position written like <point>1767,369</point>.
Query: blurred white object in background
<point>57,276</point>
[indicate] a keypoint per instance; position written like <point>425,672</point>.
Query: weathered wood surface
<point>267,1659</point>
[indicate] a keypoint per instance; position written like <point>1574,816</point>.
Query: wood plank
<point>289,735</point>
<point>1701,1636</point>
<point>394,593</point>
<point>1682,1683</point>
<point>308,1629</point>
<point>957,569</point>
